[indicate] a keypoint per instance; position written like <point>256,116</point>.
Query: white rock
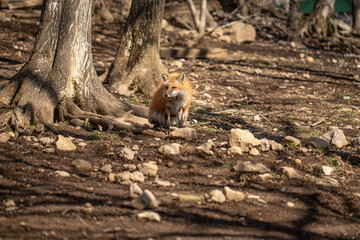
<point>184,133</point>
<point>123,177</point>
<point>137,176</point>
<point>106,168</point>
<point>290,204</point>
<point>149,215</point>
<point>254,152</point>
<point>327,181</point>
<point>265,176</point>
<point>217,196</point>
<point>235,150</point>
<point>4,137</point>
<point>336,138</point>
<point>327,170</point>
<point>62,173</point>
<point>46,140</point>
<point>82,144</point>
<point>135,190</point>
<point>247,166</point>
<point>82,165</point>
<point>189,198</point>
<point>10,203</point>
<point>293,140</point>
<point>275,146</point>
<point>146,200</point>
<point>49,150</point>
<point>206,147</point>
<point>243,139</point>
<point>130,167</point>
<point>162,183</point>
<point>65,144</point>
<point>170,149</point>
<point>233,195</point>
<point>127,153</point>
<point>264,145</point>
<point>149,169</point>
<point>291,172</point>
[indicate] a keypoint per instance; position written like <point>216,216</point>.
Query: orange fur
<point>171,101</point>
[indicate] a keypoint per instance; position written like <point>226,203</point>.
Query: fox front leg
<point>167,119</point>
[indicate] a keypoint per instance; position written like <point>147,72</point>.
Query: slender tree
<point>59,76</point>
<point>137,66</point>
<point>356,16</point>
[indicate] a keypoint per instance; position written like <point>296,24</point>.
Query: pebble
<point>49,150</point>
<point>184,133</point>
<point>10,203</point>
<point>189,198</point>
<point>254,152</point>
<point>233,195</point>
<point>149,215</point>
<point>290,204</point>
<point>264,145</point>
<point>235,150</point>
<point>82,144</point>
<point>243,139</point>
<point>291,172</point>
<point>149,169</point>
<point>82,165</point>
<point>62,173</point>
<point>162,183</point>
<point>106,168</point>
<point>146,200</point>
<point>130,167</point>
<point>137,177</point>
<point>171,149</point>
<point>298,162</point>
<point>4,137</point>
<point>206,147</point>
<point>127,153</point>
<point>46,140</point>
<point>217,196</point>
<point>135,190</point>
<point>293,140</point>
<point>336,138</point>
<point>327,170</point>
<point>265,176</point>
<point>65,144</point>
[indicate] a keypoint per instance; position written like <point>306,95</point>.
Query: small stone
<point>291,172</point>
<point>327,170</point>
<point>170,164</point>
<point>82,144</point>
<point>149,215</point>
<point>298,162</point>
<point>264,145</point>
<point>184,133</point>
<point>162,183</point>
<point>65,144</point>
<point>130,167</point>
<point>310,59</point>
<point>146,200</point>
<point>46,140</point>
<point>10,203</point>
<point>247,166</point>
<point>206,147</point>
<point>82,165</point>
<point>137,177</point>
<point>275,146</point>
<point>318,143</point>
<point>123,177</point>
<point>265,176</point>
<point>106,168</point>
<point>135,190</point>
<point>243,139</point>
<point>4,137</point>
<point>59,173</point>
<point>171,149</point>
<point>257,118</point>
<point>336,138</point>
<point>254,152</point>
<point>149,169</point>
<point>233,195</point>
<point>290,204</point>
<point>293,140</point>
<point>357,142</point>
<point>127,153</point>
<point>49,150</point>
<point>111,177</point>
<point>217,196</point>
<point>235,150</point>
<point>189,198</point>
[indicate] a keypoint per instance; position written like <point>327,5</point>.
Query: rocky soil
<point>271,150</point>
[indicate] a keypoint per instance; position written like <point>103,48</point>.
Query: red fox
<point>171,101</point>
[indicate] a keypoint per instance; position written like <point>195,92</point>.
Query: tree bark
<point>321,24</point>
<point>294,18</point>
<point>137,66</point>
<point>59,75</point>
<point>356,16</point>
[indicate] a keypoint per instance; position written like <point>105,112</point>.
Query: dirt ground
<point>270,88</point>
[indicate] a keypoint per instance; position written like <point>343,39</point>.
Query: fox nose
<point>167,95</point>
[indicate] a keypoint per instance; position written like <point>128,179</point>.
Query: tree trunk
<point>59,74</point>
<point>137,66</point>
<point>321,24</point>
<point>294,18</point>
<point>356,16</point>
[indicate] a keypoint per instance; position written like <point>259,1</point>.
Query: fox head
<point>173,84</point>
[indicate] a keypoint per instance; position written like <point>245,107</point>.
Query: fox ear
<point>182,77</point>
<point>165,77</point>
